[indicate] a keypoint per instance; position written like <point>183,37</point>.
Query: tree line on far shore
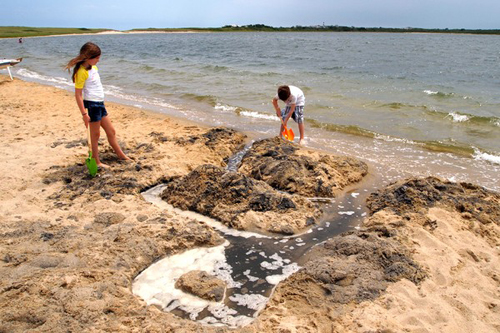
<point>333,28</point>
<point>16,32</point>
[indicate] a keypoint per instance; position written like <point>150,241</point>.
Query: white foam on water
<point>254,114</point>
<point>478,155</point>
<point>156,284</point>
<point>458,118</point>
<point>277,263</point>
<point>254,301</point>
<point>34,75</point>
<point>250,277</point>
<point>287,271</point>
<point>388,138</point>
<point>430,92</point>
<point>119,93</point>
<point>109,90</point>
<point>354,195</point>
<point>225,108</point>
<point>346,213</point>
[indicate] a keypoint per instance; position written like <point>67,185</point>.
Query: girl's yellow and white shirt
<point>90,82</point>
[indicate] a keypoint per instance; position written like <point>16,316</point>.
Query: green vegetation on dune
<point>324,28</point>
<point>13,32</point>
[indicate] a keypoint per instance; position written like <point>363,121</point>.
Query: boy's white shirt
<point>296,97</point>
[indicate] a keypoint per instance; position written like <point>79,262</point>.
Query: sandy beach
<point>425,260</point>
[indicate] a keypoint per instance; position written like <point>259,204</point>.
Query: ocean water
<point>408,104</point>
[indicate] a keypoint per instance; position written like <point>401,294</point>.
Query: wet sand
<point>72,245</point>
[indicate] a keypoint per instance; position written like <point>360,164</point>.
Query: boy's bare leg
<point>301,131</point>
<point>111,134</point>
<point>95,133</point>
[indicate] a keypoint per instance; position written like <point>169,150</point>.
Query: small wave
<point>333,68</point>
<point>448,147</point>
<point>438,93</point>
<point>212,100</point>
<point>225,108</point>
<point>34,75</point>
<point>478,155</point>
<point>399,105</point>
<point>255,114</point>
<point>268,74</point>
<point>109,90</point>
<point>348,129</point>
<point>118,92</point>
<point>216,68</point>
<point>395,105</point>
<point>458,118</point>
<point>393,139</point>
<point>147,68</point>
<point>229,108</point>
<point>466,118</point>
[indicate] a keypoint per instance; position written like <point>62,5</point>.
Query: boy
<point>295,100</point>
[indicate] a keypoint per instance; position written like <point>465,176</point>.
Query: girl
<point>89,95</point>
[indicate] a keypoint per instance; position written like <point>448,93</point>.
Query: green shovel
<point>90,161</point>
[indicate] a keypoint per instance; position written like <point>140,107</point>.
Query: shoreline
<point>71,245</point>
<point>114,32</point>
<point>187,31</point>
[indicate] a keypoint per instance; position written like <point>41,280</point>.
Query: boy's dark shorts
<point>298,114</point>
<point>96,110</point>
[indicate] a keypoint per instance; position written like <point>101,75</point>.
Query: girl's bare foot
<point>125,159</point>
<point>104,166</point>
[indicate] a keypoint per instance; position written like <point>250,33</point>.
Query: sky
<point>130,14</point>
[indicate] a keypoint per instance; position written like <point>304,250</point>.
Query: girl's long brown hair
<point>88,51</point>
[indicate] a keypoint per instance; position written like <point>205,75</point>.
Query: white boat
<point>6,63</point>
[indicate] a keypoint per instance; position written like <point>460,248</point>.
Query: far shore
<point>115,32</point>
<point>28,32</point>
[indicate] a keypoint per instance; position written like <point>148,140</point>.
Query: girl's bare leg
<point>111,134</point>
<point>95,133</point>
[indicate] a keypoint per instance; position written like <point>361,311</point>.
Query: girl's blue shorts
<point>96,110</point>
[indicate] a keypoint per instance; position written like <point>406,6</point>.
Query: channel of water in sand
<point>251,264</point>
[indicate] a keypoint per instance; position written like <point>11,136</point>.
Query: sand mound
<point>286,167</point>
<point>421,264</point>
<point>240,202</point>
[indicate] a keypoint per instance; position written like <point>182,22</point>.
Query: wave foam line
<point>438,93</point>
<point>34,75</point>
<point>478,155</point>
<point>109,90</point>
<point>458,118</point>
<point>254,114</point>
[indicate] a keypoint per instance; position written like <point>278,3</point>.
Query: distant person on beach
<point>294,107</point>
<point>89,96</point>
